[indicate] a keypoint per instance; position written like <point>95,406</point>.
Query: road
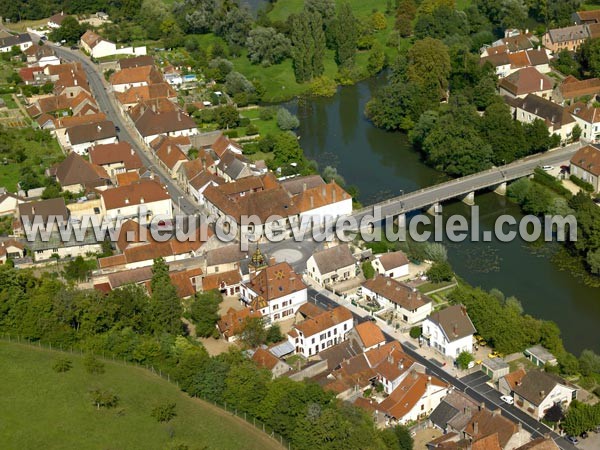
<point>109,107</point>
<point>427,197</point>
<point>475,385</point>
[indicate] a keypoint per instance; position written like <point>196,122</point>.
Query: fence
<point>256,423</point>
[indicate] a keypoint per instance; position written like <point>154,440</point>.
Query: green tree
<point>103,398</point>
<point>227,116</point>
<point>416,332</point>
<point>70,31</point>
<point>464,359</point>
<point>166,306</point>
<point>93,365</point>
<point>253,333</point>
<point>368,270</point>
<point>266,46</point>
<point>376,61</point>
<point>78,269</point>
<point>308,45</point>
<point>204,313</point>
<point>286,120</point>
<point>274,334</point>
<point>164,413</point>
<point>440,271</point>
<point>346,35</point>
<point>62,365</point>
<point>429,65</point>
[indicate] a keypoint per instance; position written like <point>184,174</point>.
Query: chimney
<point>33,210</point>
<point>168,150</point>
<point>132,152</point>
<point>497,412</point>
<point>541,84</point>
<point>481,406</point>
<point>324,191</point>
<point>312,202</point>
<point>388,283</point>
<point>333,195</point>
<point>475,428</point>
<point>99,128</point>
<point>203,163</point>
<point>303,187</point>
<point>153,107</point>
<point>542,393</point>
<point>142,200</point>
<point>178,116</point>
<point>455,329</point>
<point>126,201</point>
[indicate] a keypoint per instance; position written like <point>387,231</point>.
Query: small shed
<point>494,368</point>
<point>540,356</point>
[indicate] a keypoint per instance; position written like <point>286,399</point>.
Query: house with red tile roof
<point>321,332</point>
<point>135,94</point>
<point>75,174</point>
<point>228,283</point>
<point>232,323</point>
<point>391,264</point>
<point>526,81</point>
<point>135,77</point>
<point>267,360</point>
<point>323,203</point>
<point>369,335</point>
<point>169,152</point>
<point>146,196</point>
<point>276,291</point>
<point>116,158</point>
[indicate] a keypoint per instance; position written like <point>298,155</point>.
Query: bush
<point>104,398</point>
<point>286,120</point>
<point>548,180</point>
<point>164,413</point>
<point>464,359</point>
<point>62,365</point>
<point>416,332</point>
<point>93,365</point>
<point>323,87</point>
<point>582,184</point>
<point>440,271</point>
<point>266,113</point>
<point>231,133</point>
<point>251,130</point>
<point>244,122</point>
<point>368,270</point>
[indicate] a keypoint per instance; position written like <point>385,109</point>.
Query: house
<point>81,138</point>
<point>56,20</point>
<point>538,391</point>
<point>540,356</point>
<point>325,330</point>
<point>228,283</point>
<point>568,38</point>
<point>232,167</point>
<point>22,41</point>
<point>11,249</point>
<point>449,331</point>
<point>266,360</point>
<point>115,158</point>
<point>224,259</point>
<point>52,211</point>
<point>323,204</point>
<point>147,197</point>
<point>33,75</point>
<point>132,77</point>
<point>485,423</point>
<point>276,291</point>
<point>297,185</point>
<point>454,412</point>
<point>97,47</point>
<point>331,265</point>
<point>557,118</point>
<point>223,144</point>
<point>37,52</point>
<point>196,175</point>
<point>136,61</point>
<point>411,306</point>
<point>541,443</point>
<point>508,382</point>
<point>571,89</point>
<point>232,323</point>
<point>506,62</point>
<point>495,368</point>
<point>54,244</point>
<point>151,124</point>
<point>391,365</point>
<point>369,335</point>
<point>585,164</point>
<point>75,174</point>
<point>526,81</point>
<point>588,119</point>
<point>133,95</point>
<point>415,398</point>
<point>168,151</point>
<point>9,203</point>
<point>391,264</point>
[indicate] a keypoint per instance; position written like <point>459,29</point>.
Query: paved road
<point>426,197</point>
<point>474,385</point>
<point>99,89</point>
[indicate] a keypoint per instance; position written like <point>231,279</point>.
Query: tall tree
<point>346,34</point>
<point>429,65</point>
<point>166,306</point>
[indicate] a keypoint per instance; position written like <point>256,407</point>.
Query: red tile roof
<point>276,281</point>
<point>588,159</point>
<point>323,321</point>
<point>370,334</point>
<point>232,323</point>
<point>145,191</point>
<point>120,152</point>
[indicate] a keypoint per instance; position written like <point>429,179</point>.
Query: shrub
<point>104,398</point>
<point>251,130</point>
<point>440,271</point>
<point>286,120</point>
<point>548,180</point>
<point>62,365</point>
<point>231,133</point>
<point>582,184</point>
<point>244,122</point>
<point>368,270</point>
<point>266,113</point>
<point>463,360</point>
<point>323,87</point>
<point>164,413</point>
<point>93,365</point>
<point>416,332</point>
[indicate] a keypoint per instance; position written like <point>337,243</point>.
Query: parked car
<point>507,399</point>
<point>74,47</point>
<point>584,435</point>
<point>495,354</point>
<point>117,128</point>
<point>573,440</point>
<point>547,168</point>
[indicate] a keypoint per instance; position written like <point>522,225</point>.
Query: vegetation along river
<point>333,131</point>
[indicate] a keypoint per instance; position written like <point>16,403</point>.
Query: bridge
<point>464,188</point>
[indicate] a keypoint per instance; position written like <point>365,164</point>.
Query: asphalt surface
<point>126,134</point>
<point>475,385</point>
<point>459,187</point>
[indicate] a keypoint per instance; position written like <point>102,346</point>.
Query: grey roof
<point>454,322</point>
<point>334,258</point>
<point>466,407</point>
<point>338,353</point>
<point>285,348</point>
<point>536,385</point>
<point>541,353</point>
<point>55,240</point>
<point>495,363</point>
<point>205,139</point>
<point>11,41</point>
<point>547,110</point>
<point>298,184</point>
<point>91,132</point>
<point>225,255</point>
<point>575,32</point>
<point>233,167</point>
<point>44,209</point>
<point>443,414</point>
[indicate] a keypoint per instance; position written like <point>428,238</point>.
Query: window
<point>275,306</point>
<point>216,269</point>
<point>335,331</point>
<point>322,337</point>
<point>313,341</point>
<point>329,334</point>
<point>345,326</point>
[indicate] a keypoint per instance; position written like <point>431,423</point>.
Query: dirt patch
<point>422,437</point>
<point>215,346</point>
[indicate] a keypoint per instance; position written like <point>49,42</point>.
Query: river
<point>333,131</point>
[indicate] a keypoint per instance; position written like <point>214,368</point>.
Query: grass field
<point>48,410</point>
<point>361,8</point>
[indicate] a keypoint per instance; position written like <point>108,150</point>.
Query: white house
<point>44,250</point>
<point>415,398</point>
<point>56,20</point>
<point>585,164</point>
<point>276,291</point>
<point>391,365</point>
<point>318,333</point>
<point>81,138</point>
<point>538,391</point>
<point>323,203</point>
<point>151,124</point>
<point>98,47</point>
<point>411,306</point>
<point>131,200</point>
<point>11,249</point>
<point>588,119</point>
<point>392,264</point>
<point>23,41</point>
<point>557,118</point>
<point>331,265</point>
<point>449,331</point>
<point>132,77</point>
<point>9,203</point>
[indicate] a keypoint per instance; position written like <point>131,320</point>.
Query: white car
<point>547,168</point>
<point>507,399</point>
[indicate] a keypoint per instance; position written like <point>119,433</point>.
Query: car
<point>495,354</point>
<point>58,44</point>
<point>117,128</point>
<point>74,47</point>
<point>573,440</point>
<point>584,435</point>
<point>547,168</point>
<point>507,399</point>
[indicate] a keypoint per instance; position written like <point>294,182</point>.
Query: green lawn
<point>361,8</point>
<point>264,126</point>
<point>43,409</point>
<point>9,100</point>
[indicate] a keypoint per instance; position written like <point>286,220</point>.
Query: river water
<point>333,131</point>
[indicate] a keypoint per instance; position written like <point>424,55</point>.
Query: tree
<point>204,313</point>
<point>286,120</point>
<point>235,83</point>
<point>78,269</point>
<point>62,365</point>
<point>581,417</point>
<point>368,270</point>
<point>274,334</point>
<point>308,45</point>
<point>416,332</point>
<point>440,271</point>
<point>93,365</point>
<point>166,307</point>
<point>376,61</point>
<point>267,47</point>
<point>232,24</point>
<point>164,413</point>
<point>464,359</point>
<point>227,116</point>
<point>253,333</point>
<point>589,363</point>
<point>151,16</point>
<point>576,133</point>
<point>345,36</point>
<point>429,64</point>
<point>104,398</point>
<point>70,31</point>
